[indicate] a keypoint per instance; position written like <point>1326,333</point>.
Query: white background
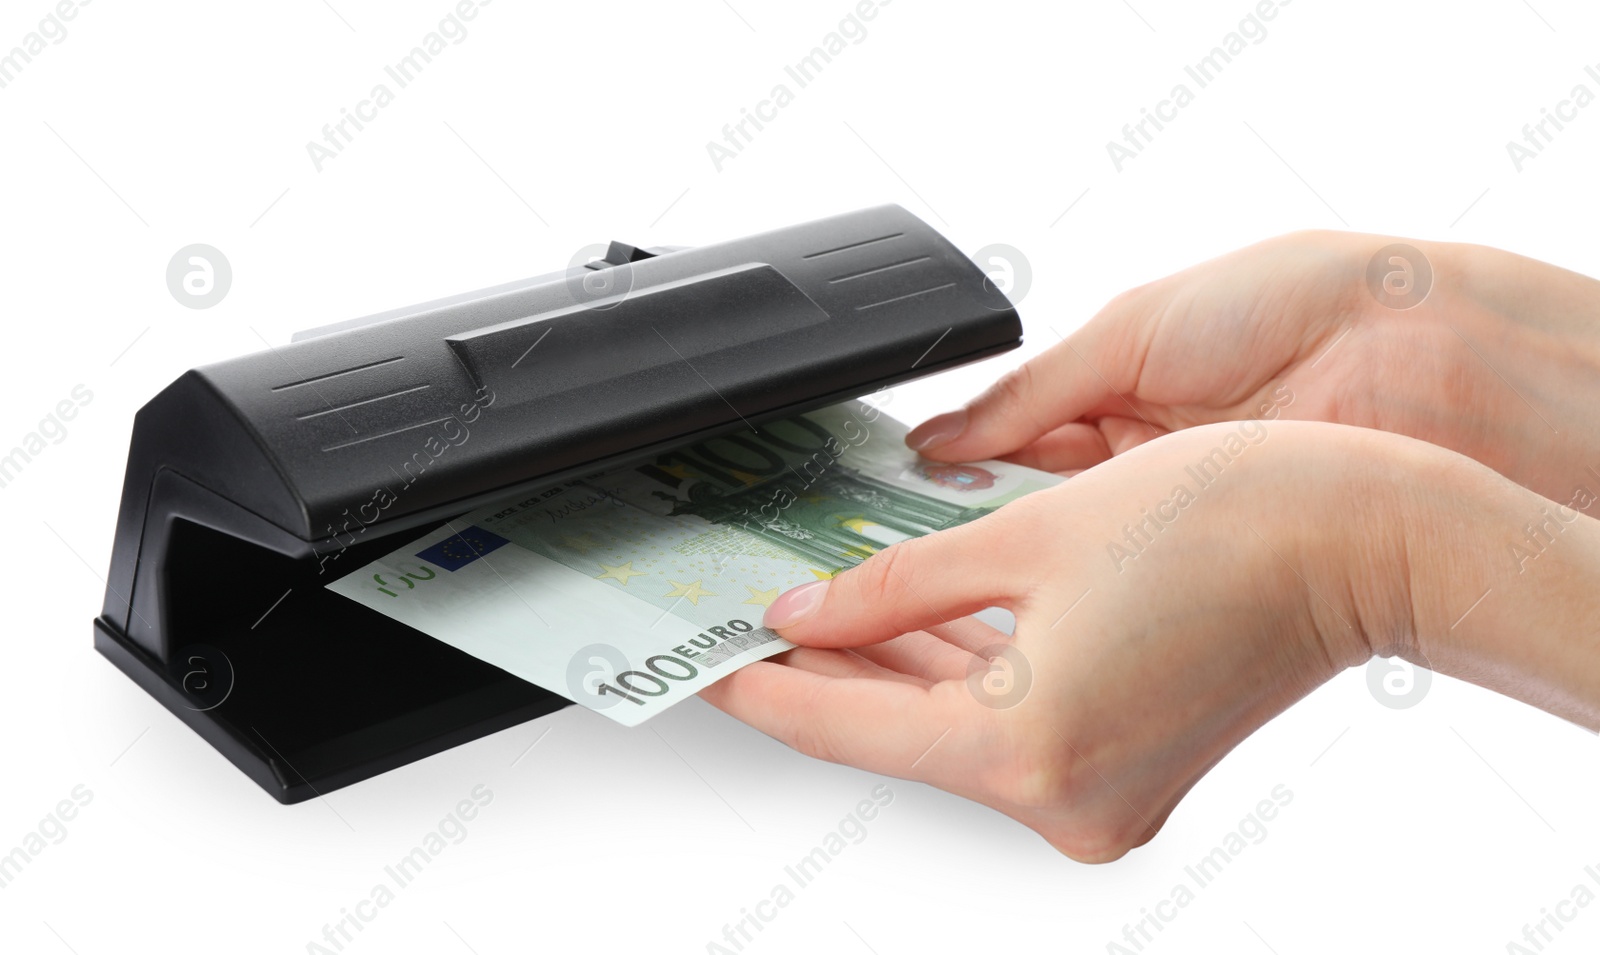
<point>1443,827</point>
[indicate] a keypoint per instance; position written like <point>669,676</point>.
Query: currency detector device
<point>253,482</point>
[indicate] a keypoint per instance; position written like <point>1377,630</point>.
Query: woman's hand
<point>1500,361</point>
<point>1168,603</point>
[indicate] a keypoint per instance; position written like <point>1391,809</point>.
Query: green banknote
<point>629,590</point>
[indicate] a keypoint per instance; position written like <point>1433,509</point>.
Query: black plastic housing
<point>254,482</point>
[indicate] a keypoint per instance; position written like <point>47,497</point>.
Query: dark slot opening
<point>323,684</point>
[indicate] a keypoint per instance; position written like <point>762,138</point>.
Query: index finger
<point>1083,376</point>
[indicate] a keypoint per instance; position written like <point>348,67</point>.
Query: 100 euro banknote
<point>629,590</point>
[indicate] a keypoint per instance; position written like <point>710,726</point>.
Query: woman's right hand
<point>1168,604</point>
<point>1499,361</point>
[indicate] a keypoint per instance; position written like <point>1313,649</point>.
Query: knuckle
<point>808,739</point>
<point>882,577</point>
<point>1029,525</point>
<point>1015,387</point>
<point>1130,308</point>
<point>1126,302</point>
<point>1006,395</point>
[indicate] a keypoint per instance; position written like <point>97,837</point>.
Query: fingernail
<point>795,605</point>
<point>940,429</point>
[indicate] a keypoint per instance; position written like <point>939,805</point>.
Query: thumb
<point>912,585</point>
<point>1082,376</point>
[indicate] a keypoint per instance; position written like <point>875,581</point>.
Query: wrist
<point>1339,553</point>
<point>1505,588</point>
<point>1381,481</point>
